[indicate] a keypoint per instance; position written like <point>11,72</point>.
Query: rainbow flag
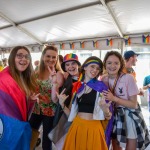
<point>127,41</point>
<point>82,44</point>
<point>72,45</point>
<point>62,46</point>
<point>95,44</point>
<point>145,39</point>
<point>109,42</point>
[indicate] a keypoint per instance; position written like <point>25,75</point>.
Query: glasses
<point>20,56</point>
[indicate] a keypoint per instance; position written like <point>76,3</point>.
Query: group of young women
<point>102,113</point>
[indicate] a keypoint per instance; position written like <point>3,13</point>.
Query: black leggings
<point>36,121</point>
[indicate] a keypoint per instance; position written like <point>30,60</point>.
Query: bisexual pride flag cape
<point>15,131</point>
<point>98,86</point>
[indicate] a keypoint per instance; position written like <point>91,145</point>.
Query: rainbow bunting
<point>109,42</point>
<point>127,41</point>
<point>82,44</point>
<point>72,45</point>
<point>95,44</point>
<point>62,46</point>
<point>145,39</point>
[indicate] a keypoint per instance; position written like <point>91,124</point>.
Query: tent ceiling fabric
<point>38,22</point>
<point>132,15</point>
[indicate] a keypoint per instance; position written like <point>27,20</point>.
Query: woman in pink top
<point>129,129</point>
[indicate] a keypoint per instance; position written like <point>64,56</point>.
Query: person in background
<point>50,79</point>
<point>130,58</point>
<point>36,64</point>
<point>88,109</point>
<point>60,59</point>
<point>146,86</point>
<point>17,97</point>
<point>129,129</point>
<point>1,65</point>
<point>5,62</point>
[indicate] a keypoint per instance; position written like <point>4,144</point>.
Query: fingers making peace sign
<point>52,73</point>
<point>35,97</point>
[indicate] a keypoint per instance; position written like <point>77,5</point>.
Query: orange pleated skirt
<point>85,135</point>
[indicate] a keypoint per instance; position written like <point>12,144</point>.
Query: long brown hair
<point>26,79</point>
<point>118,55</point>
<point>42,66</point>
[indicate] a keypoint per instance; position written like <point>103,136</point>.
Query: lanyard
<point>114,85</point>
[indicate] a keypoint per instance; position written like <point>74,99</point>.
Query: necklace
<point>87,89</point>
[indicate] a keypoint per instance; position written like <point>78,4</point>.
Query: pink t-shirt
<point>125,87</point>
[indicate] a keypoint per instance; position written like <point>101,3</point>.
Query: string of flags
<point>97,43</point>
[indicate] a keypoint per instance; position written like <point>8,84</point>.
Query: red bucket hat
<point>70,57</point>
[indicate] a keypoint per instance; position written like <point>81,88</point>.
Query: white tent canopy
<point>30,22</point>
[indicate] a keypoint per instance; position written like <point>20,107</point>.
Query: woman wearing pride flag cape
<point>17,87</point>
<point>88,110</point>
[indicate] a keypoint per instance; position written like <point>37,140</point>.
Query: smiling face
<point>72,68</point>
<point>50,58</point>
<point>22,60</point>
<point>91,71</point>
<point>113,65</point>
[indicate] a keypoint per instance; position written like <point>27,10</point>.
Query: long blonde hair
<point>26,79</point>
